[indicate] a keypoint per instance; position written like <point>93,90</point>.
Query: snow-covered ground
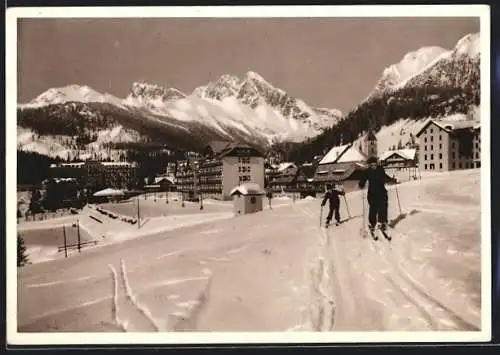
<point>275,270</point>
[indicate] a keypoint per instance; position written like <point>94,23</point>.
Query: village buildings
<point>95,175</point>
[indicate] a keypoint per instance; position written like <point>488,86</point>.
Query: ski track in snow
<point>357,296</point>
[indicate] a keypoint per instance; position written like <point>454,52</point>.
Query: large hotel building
<point>449,145</point>
<point>223,166</point>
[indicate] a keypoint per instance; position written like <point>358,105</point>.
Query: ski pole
<point>399,204</point>
<point>321,215</point>
<point>347,207</point>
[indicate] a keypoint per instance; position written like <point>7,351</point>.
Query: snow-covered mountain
<point>433,65</point>
<point>248,109</point>
<point>430,82</point>
<point>412,63</point>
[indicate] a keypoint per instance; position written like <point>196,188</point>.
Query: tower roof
<point>370,136</point>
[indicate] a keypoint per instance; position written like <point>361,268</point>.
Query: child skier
<point>377,193</point>
<point>332,195</point>
<point>269,195</point>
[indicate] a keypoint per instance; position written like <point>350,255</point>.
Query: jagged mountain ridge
<point>249,110</point>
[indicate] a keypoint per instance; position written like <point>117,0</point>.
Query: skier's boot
<point>372,232</point>
<point>383,228</point>
<point>337,223</point>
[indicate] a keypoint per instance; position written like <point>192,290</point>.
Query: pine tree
<point>22,254</point>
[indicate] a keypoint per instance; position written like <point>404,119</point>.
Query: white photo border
<point>358,11</point>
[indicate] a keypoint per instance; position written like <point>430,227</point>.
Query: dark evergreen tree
<point>22,253</point>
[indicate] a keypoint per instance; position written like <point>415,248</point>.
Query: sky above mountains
<point>327,62</point>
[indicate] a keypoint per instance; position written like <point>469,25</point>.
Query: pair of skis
<point>336,223</point>
<point>384,233</point>
<point>372,232</point>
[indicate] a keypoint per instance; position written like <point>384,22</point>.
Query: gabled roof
<point>343,154</point>
<point>217,146</point>
<point>284,166</point>
<point>371,136</point>
<point>164,178</point>
<point>448,126</point>
<point>222,148</point>
<point>408,154</point>
<point>248,189</point>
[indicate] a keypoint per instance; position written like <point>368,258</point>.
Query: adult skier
<point>377,194</point>
<point>332,195</point>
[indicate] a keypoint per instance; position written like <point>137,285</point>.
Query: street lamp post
<point>200,188</point>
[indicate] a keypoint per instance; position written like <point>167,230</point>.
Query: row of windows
<point>467,165</point>
<point>244,169</point>
<point>244,160</point>
<point>432,156</point>
<point>432,138</point>
<point>244,178</point>
<point>453,156</point>
<point>214,169</point>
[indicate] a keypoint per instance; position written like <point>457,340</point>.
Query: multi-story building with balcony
<point>449,145</point>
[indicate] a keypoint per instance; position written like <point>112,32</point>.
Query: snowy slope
<point>283,273</point>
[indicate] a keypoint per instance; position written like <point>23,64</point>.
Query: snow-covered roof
<point>248,189</point>
<point>58,180</point>
<point>334,154</point>
<point>109,192</point>
<point>343,154</point>
<point>69,165</point>
<point>116,163</point>
<point>449,125</point>
<point>407,153</point>
<point>161,178</point>
<point>284,166</point>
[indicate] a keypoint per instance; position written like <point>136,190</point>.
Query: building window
<point>432,147</point>
<point>440,165</point>
<point>453,165</point>
<point>432,157</point>
<point>425,157</point>
<point>432,166</point>
<point>425,166</point>
<point>425,147</point>
<point>440,146</point>
<point>477,155</point>
<point>453,144</point>
<point>440,137</point>
<point>425,139</point>
<point>432,130</point>
<point>440,156</point>
<point>432,138</point>
<point>253,200</point>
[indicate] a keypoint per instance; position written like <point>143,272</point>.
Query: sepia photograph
<point>248,174</point>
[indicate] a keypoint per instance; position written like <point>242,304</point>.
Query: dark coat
<point>333,197</point>
<point>376,182</point>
